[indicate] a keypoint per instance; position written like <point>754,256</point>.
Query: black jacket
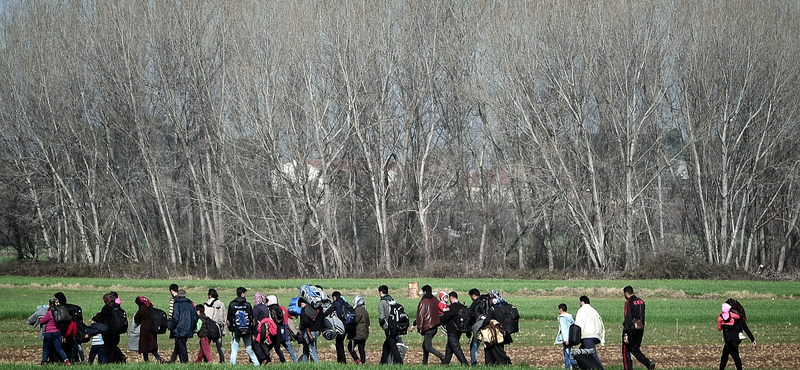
<point>450,318</point>
<point>634,308</point>
<point>497,314</point>
<point>311,319</point>
<point>238,301</point>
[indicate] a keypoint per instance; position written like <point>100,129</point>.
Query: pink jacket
<point>49,323</point>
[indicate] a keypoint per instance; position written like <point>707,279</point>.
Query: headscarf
<point>143,300</point>
<point>108,298</point>
<point>259,298</point>
<point>62,299</point>
<point>271,300</point>
<point>726,309</point>
<point>359,301</point>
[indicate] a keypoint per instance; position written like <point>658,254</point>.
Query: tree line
<point>344,138</point>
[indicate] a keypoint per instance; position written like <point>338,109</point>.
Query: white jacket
<point>591,323</point>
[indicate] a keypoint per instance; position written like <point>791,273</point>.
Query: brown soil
<point>666,357</point>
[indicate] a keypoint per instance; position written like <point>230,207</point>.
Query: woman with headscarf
<point>148,341</point>
<point>358,337</point>
<point>731,324</point>
<point>110,338</point>
<point>260,311</point>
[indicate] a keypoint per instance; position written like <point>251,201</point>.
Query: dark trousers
<point>100,352</point>
<point>495,354</point>
<point>358,344</point>
<point>276,345</point>
<point>454,348</point>
<point>731,348</point>
<point>390,349</point>
<point>341,355</point>
<point>632,348</point>
<point>154,352</point>
<point>427,346</point>
<point>181,350</point>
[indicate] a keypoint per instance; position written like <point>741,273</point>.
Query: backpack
<point>241,320</point>
<point>574,336</point>
<point>398,319</point>
<point>464,320</point>
<point>266,328</point>
<point>119,321</point>
<point>214,331</point>
<point>348,314</point>
<point>276,313</point>
<point>158,321</point>
<point>294,308</point>
<point>333,326</point>
<point>75,311</point>
<point>61,315</point>
<point>510,317</point>
<point>80,332</point>
<point>314,296</point>
<point>482,307</point>
<point>203,332</point>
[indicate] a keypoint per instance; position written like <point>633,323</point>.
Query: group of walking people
<point>732,322</point>
<point>266,326</point>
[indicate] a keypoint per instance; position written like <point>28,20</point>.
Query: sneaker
<point>358,362</point>
<point>652,365</point>
<point>67,363</point>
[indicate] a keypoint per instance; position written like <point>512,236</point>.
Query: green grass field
<point>679,312</point>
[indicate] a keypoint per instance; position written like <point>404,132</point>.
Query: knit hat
<point>271,300</point>
<point>259,298</point>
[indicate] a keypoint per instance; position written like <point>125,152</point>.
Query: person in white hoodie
<point>592,329</point>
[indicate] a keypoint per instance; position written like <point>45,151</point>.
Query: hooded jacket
<point>427,313</point>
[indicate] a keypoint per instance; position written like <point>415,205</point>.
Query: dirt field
<point>760,357</point>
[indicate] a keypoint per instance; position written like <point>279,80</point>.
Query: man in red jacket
<point>633,330</point>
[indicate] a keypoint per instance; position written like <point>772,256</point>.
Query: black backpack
<point>510,317</point>
<point>61,315</point>
<point>212,329</point>
<point>158,321</point>
<point>81,335</point>
<point>119,321</point>
<point>398,319</point>
<point>241,319</point>
<point>464,320</point>
<point>574,336</point>
<point>276,313</point>
<point>482,306</point>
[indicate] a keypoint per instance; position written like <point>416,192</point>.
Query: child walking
<point>204,354</point>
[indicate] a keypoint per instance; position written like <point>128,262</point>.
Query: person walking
<point>52,335</point>
<point>215,310</point>
<point>593,331</point>
<point>495,353</point>
<point>450,319</point>
<point>173,292</point>
<point>183,324</point>
<point>240,324</point>
<point>479,307</point>
<point>565,320</point>
<point>311,323</point>
<point>633,330</point>
<point>731,323</point>
<point>148,341</point>
<point>288,331</point>
<point>337,307</point>
<point>357,338</point>
<point>390,343</point>
<point>203,321</point>
<point>427,323</point>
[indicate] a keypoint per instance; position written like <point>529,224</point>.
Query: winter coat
<point>427,313</point>
<point>450,317</point>
<point>362,323</point>
<point>148,341</point>
<point>184,319</point>
<point>215,310</point>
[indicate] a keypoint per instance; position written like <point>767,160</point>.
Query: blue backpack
<point>241,320</point>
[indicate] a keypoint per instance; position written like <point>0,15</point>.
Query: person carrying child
<point>731,323</point>
<point>52,335</point>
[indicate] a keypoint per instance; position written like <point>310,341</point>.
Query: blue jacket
<point>184,319</point>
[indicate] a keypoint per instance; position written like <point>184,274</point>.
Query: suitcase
<point>584,357</point>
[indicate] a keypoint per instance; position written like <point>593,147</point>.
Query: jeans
<point>473,349</point>
<point>52,339</point>
<point>290,349</point>
<point>567,360</point>
<point>77,352</point>
<point>220,350</point>
<point>310,347</point>
<point>454,348</point>
<point>248,347</point>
